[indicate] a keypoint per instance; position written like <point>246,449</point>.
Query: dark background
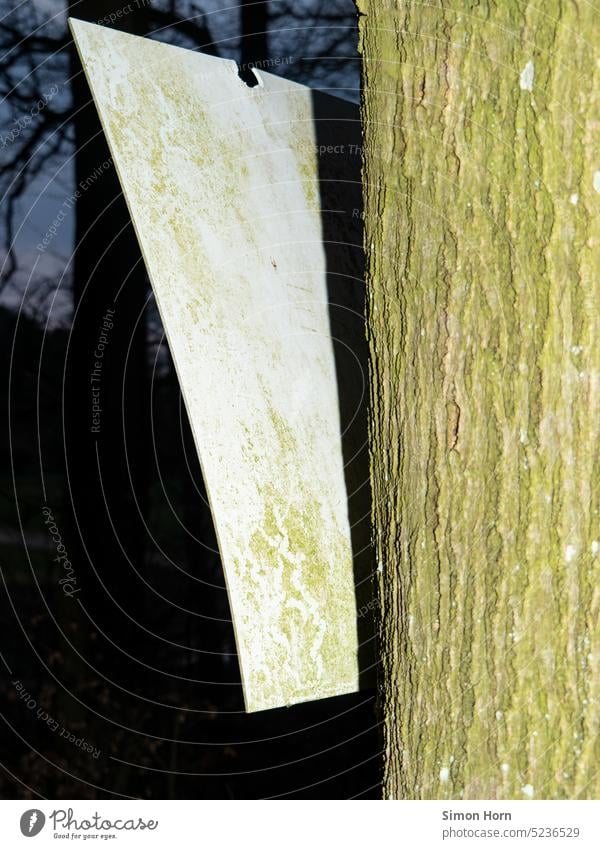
<point>140,662</point>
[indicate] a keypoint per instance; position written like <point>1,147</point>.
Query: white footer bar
<point>301,824</point>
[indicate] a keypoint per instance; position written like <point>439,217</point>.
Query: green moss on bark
<point>481,145</point>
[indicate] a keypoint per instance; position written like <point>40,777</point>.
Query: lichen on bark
<point>481,225</point>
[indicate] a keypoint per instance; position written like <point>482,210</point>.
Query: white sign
<point>221,180</point>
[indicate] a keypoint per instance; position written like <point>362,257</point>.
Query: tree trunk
<point>107,453</point>
<point>254,25</point>
<point>481,224</point>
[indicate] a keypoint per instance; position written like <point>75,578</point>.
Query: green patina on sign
<point>222,185</point>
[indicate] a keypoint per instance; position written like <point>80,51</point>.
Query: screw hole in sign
<point>248,75</point>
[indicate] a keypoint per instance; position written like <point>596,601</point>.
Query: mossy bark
<point>482,192</point>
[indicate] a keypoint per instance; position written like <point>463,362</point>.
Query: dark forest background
<point>134,658</point>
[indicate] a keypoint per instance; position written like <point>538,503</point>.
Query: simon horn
<point>476,815</point>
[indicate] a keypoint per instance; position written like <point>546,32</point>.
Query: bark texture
<point>482,181</point>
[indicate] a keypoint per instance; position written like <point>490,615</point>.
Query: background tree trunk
<point>108,469</point>
<point>481,216</point>
<point>254,27</point>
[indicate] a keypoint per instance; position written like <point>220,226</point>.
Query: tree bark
<point>481,226</point>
